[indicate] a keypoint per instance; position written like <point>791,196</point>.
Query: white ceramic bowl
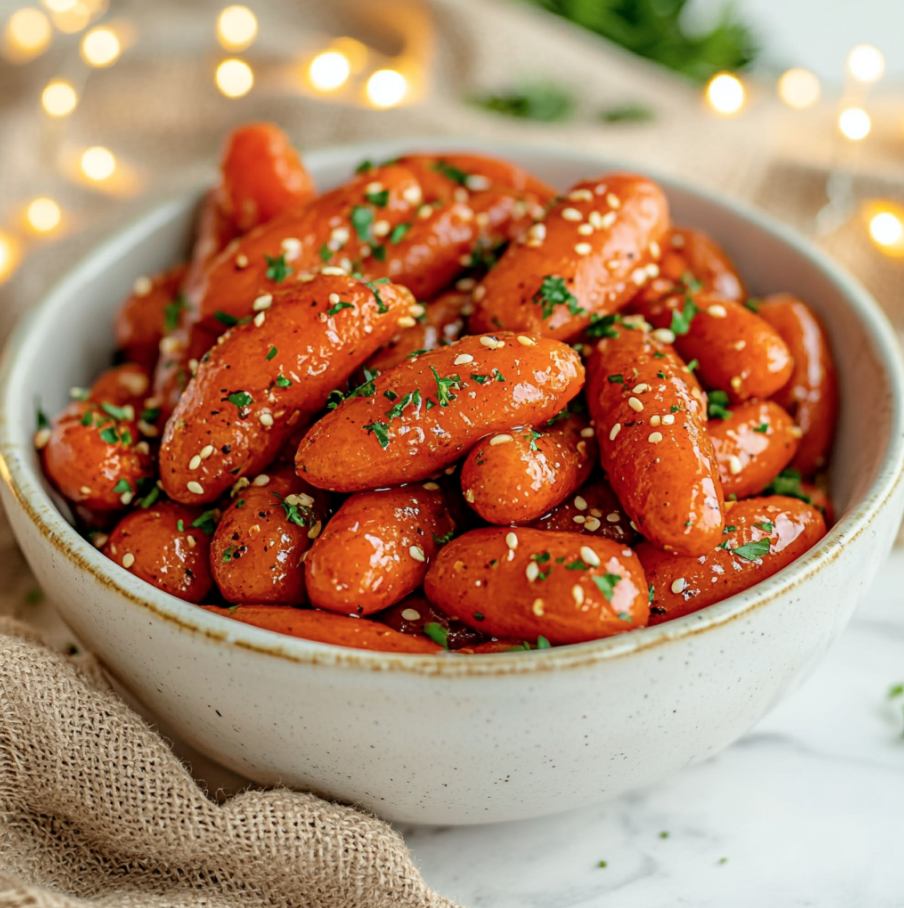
<point>456,739</point>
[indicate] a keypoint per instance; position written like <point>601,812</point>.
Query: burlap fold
<point>96,810</point>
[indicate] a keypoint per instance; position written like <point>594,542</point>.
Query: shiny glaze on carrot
<point>425,413</point>
<point>693,255</point>
<point>408,220</point>
<point>520,480</point>
<point>261,540</point>
<point>413,613</point>
<point>245,399</point>
<point>325,627</point>
<point>682,584</point>
<point>166,551</point>
<point>651,427</point>
<point>121,386</point>
<point>598,246</point>
<point>737,351</point>
<point>180,352</point>
<point>144,315</point>
<point>756,442</point>
<point>562,586</point>
<point>592,511</point>
<point>376,549</point>
<point>811,394</point>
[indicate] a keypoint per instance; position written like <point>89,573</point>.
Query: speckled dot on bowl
<point>454,739</point>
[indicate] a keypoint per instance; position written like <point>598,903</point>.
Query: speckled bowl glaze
<point>456,739</point>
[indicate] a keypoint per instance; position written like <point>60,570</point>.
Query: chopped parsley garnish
<point>577,565</point>
<point>151,414</point>
<point>109,435</point>
<point>224,318</point>
<point>788,483</point>
<point>603,325</point>
<point>658,355</point>
<point>478,616</point>
<point>277,269</point>
<point>325,253</point>
<point>88,418</point>
<point>766,526</point>
<point>692,365</point>
<point>753,305</point>
<point>602,864</point>
<point>122,486</point>
<point>651,593</point>
<point>412,397</point>
<point>364,166</point>
<point>762,427</point>
<point>271,352</point>
<point>339,307</point>
<point>691,282</point>
<point>681,321</point>
<point>171,313</point>
<point>398,233</point>
<point>442,540</point>
<point>480,379</point>
<point>554,292</point>
<point>282,381</point>
<point>379,253</point>
<point>416,353</point>
<point>115,412</point>
<point>333,399</point>
<point>227,555</point>
<point>372,286</point>
<point>437,633</point>
<point>443,386</point>
<point>41,419</point>
<point>606,584</point>
<point>207,522</point>
<point>498,376</point>
<point>674,408</point>
<point>390,395</point>
<point>151,498</point>
<point>542,643</point>
<point>728,529</point>
<point>241,399</point>
<point>381,431</point>
<point>362,219</point>
<point>450,172</point>
<point>541,558</point>
<point>753,550</point>
<point>532,436</point>
<point>718,405</point>
<point>180,526</point>
<point>294,513</point>
<point>615,379</point>
<point>378,198</point>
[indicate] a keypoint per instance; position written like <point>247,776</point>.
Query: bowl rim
<point>26,486</point>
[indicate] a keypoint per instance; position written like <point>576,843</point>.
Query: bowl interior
<point>68,339</point>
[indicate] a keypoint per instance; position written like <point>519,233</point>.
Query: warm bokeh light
<point>44,215</point>
<point>353,51</point>
<point>59,98</point>
<point>73,19</point>
<point>386,87</point>
<point>101,47</point>
<point>27,34</point>
<point>234,78</point>
<point>329,70</point>
<point>236,27</point>
<point>886,229</point>
<point>59,6</point>
<point>854,123</point>
<point>98,163</point>
<point>866,63</point>
<point>799,88</point>
<point>725,94</point>
<point>9,255</point>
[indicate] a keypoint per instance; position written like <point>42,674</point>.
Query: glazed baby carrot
<point>593,510</point>
<point>147,313</point>
<point>525,584</point>
<point>426,413</point>
<point>413,220</point>
<point>693,256</point>
<point>259,544</point>
<point>587,258</point>
<point>515,477</point>
<point>162,545</point>
<point>811,394</point>
<point>180,353</point>
<point>763,536</point>
<point>121,385</point>
<point>268,375</point>
<point>651,428</point>
<point>325,627</point>
<point>753,443</point>
<point>736,351</point>
<point>416,615</point>
<point>377,548</point>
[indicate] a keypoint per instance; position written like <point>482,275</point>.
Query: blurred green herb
<point>542,101</point>
<point>631,112</point>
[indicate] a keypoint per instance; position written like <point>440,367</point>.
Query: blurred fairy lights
<point>43,215</point>
<point>799,88</point>
<point>27,34</point>
<point>10,253</point>
<point>866,63</point>
<point>236,28</point>
<point>854,123</point>
<point>59,98</point>
<point>725,94</point>
<point>234,78</point>
<point>98,163</point>
<point>386,88</point>
<point>329,70</point>
<point>101,47</point>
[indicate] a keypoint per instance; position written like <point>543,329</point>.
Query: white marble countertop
<point>806,809</point>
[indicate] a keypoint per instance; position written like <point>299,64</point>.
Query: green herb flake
<point>663,835</point>
<point>450,172</point>
<point>362,219</point>
<point>381,432</point>
<point>227,555</point>
<point>554,292</point>
<point>271,352</point>
<point>372,286</point>
<point>88,418</point>
<point>411,398</point>
<point>542,643</point>
<point>364,166</point>
<point>444,386</point>
<point>717,405</point>
<point>325,253</point>
<point>615,379</point>
<point>122,486</point>
<point>603,325</point>
<point>224,318</point>
<point>692,365</point>
<point>295,513</point>
<point>282,381</point>
<point>442,540</point>
<point>577,565</point>
<point>606,584</point>
<point>658,355</point>
<point>41,420</point>
<point>207,522</point>
<point>729,529</point>
<point>651,593</point>
<point>498,376</point>
<point>241,399</point>
<point>753,550</point>
<point>34,596</point>
<point>602,864</point>
<point>115,412</point>
<point>480,379</point>
<point>788,483</point>
<point>151,498</point>
<point>398,233</point>
<point>333,310</point>
<point>171,313</point>
<point>681,321</point>
<point>753,305</point>
<point>437,633</point>
<point>478,616</point>
<point>180,526</point>
<point>766,526</point>
<point>277,269</point>
<point>378,198</point>
<point>109,435</point>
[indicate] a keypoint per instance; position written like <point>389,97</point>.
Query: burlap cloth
<point>94,806</point>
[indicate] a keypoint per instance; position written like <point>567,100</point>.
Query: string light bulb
<point>234,78</point>
<point>866,63</point>
<point>72,19</point>
<point>386,88</point>
<point>98,163</point>
<point>27,34</point>
<point>854,123</point>
<point>354,51</point>
<point>329,70</point>
<point>725,94</point>
<point>236,27</point>
<point>799,88</point>
<point>101,47</point>
<point>43,215</point>
<point>886,229</point>
<point>9,255</point>
<point>59,98</point>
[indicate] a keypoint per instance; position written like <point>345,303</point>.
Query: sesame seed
<point>99,540</point>
<point>381,228</point>
<point>585,229</point>
<point>491,342</point>
<point>292,247</point>
<point>581,448</point>
<point>580,503</point>
<point>579,518</point>
<point>588,556</point>
<point>596,219</point>
<point>314,532</point>
<point>537,607</point>
<point>479,293</point>
<point>85,490</point>
<point>406,321</point>
<point>42,436</point>
<point>572,214</point>
<point>126,498</point>
<point>334,298</point>
<point>587,432</point>
<point>207,451</point>
<point>412,194</point>
<point>537,231</point>
<point>134,382</point>
<point>195,462</point>
<point>266,419</point>
<point>679,585</point>
<point>195,487</point>
<point>128,560</point>
<point>170,345</point>
<point>655,251</point>
<point>796,432</point>
<point>500,440</point>
<point>596,512</point>
<point>410,614</point>
<point>615,430</point>
<point>192,542</point>
<point>373,188</point>
<point>511,540</point>
<point>663,335</point>
<point>365,251</point>
<point>465,261</point>
<point>469,496</point>
<point>613,517</point>
<point>465,284</point>
<point>462,358</point>
<point>483,219</point>
<point>430,486</point>
<point>425,211</point>
<point>241,483</point>
<point>736,382</point>
<point>416,310</point>
<point>583,248</point>
<point>262,480</point>
<point>526,341</point>
<point>633,526</point>
<point>608,219</point>
<point>635,404</point>
<point>578,593</point>
<point>142,286</point>
<point>639,276</point>
<point>655,420</point>
<point>461,195</point>
<point>717,311</point>
<point>417,553</point>
<point>339,235</point>
<point>592,524</point>
<point>578,195</point>
<point>655,438</point>
<point>612,200</point>
<point>532,571</point>
<point>734,465</point>
<point>639,389</point>
<point>305,500</point>
<point>332,269</point>
<point>668,419</point>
